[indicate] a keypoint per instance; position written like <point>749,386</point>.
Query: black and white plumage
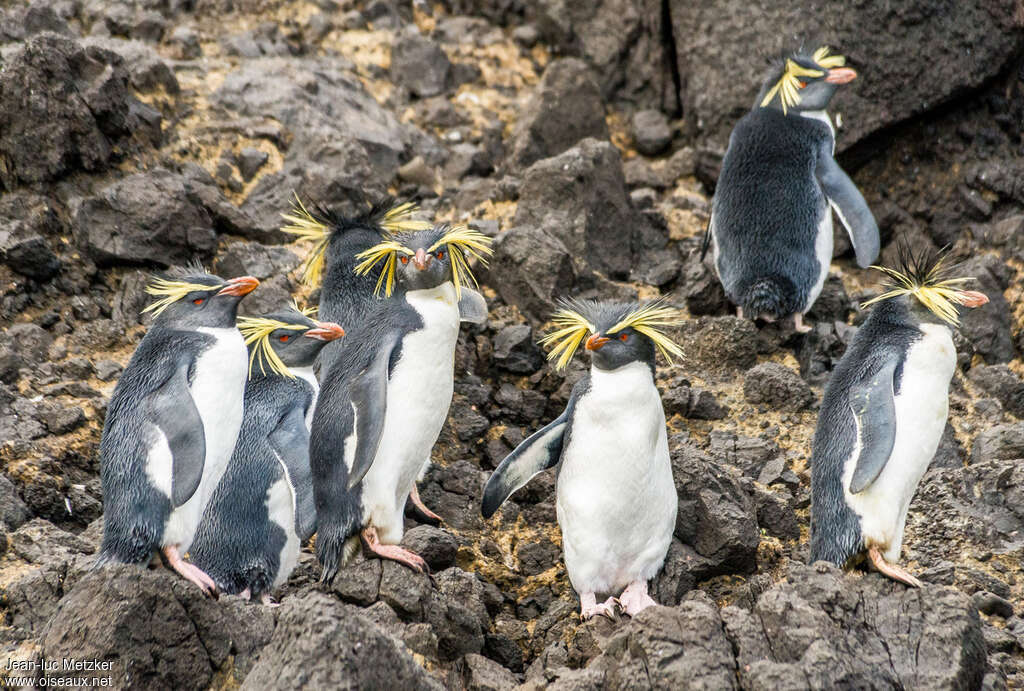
<point>882,416</point>
<point>616,499</point>
<point>173,420</point>
<point>771,220</point>
<point>263,509</point>
<point>386,395</point>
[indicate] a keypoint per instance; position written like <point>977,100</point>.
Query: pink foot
<point>590,609</point>
<point>739,313</point>
<point>414,497</point>
<point>635,598</point>
<point>893,571</point>
<point>190,571</point>
<point>393,552</point>
<point>268,601</point>
<point>245,594</point>
<point>798,324</point>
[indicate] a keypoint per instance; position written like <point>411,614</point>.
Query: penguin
<point>611,449</point>
<point>173,421</point>
<point>262,511</point>
<point>883,414</point>
<point>771,217</point>
<point>347,295</point>
<point>384,400</point>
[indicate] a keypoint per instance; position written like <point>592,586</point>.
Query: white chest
<point>306,374</point>
<point>280,503</point>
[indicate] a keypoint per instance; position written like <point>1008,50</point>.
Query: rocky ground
<point>134,135</point>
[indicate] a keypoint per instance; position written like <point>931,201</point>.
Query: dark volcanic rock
<point>989,328</point>
<point>436,546</point>
<point>1002,383</point>
<point>1002,442</point>
<point>63,107</point>
<point>777,386</point>
<point>565,108</point>
<point>419,64</point>
<point>580,197</point>
<point>319,643</point>
<point>534,267</point>
<point>719,343</point>
<point>821,629</point>
<point>651,132</point>
<point>516,351</point>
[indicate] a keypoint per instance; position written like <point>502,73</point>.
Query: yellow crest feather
<point>387,252</point>
<point>396,219</point>
<point>256,332</point>
<point>168,292</point>
<point>570,328</point>
<point>305,226</point>
<point>923,278</point>
<point>788,86</point>
<point>464,244</point>
<point>649,320</point>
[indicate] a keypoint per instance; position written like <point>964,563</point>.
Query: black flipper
<point>370,399</point>
<point>538,452</point>
<point>872,402</point>
<point>850,207</point>
<point>472,307</point>
<point>171,408</point>
<point>290,441</point>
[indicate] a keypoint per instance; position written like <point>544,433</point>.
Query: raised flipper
<point>290,442</point>
<point>472,306</point>
<point>873,405</point>
<point>171,409</point>
<point>850,207</point>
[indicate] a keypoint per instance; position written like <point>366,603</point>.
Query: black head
<point>426,259</point>
<point>191,298</point>
<point>281,340</point>
<point>805,82</point>
<point>615,333</point>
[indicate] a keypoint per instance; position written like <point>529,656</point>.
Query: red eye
<point>802,84</point>
<point>198,301</point>
<point>439,254</point>
<point>404,259</point>
<point>284,339</point>
<point>624,337</point>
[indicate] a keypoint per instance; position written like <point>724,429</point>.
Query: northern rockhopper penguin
<point>616,499</point>
<point>262,510</point>
<point>384,399</point>
<point>348,296</point>
<point>883,414</point>
<point>173,421</point>
<point>771,216</point>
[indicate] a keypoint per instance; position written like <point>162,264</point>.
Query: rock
<point>27,252</point>
<point>437,547</point>
<point>146,218</point>
<point>989,328</point>
<point>777,386</point>
<point>419,64</point>
<point>702,290</point>
<point>61,420</point>
<point>992,604</point>
<point>565,108</point>
<point>775,515</point>
<point>254,259</point>
<point>696,404</point>
<point>1002,442</point>
<point>580,197</point>
<point>477,673</point>
<point>682,569</point>
<point>651,132</point>
<point>31,342</point>
<point>719,344</point>
<point>64,108</point>
<point>1002,383</point>
<point>250,160</point>
<point>184,41</point>
<point>820,629</point>
<point>405,590</point>
<point>516,351</point>
<point>535,269</point>
<point>359,582</point>
<point>319,643</point>
<point>13,512</point>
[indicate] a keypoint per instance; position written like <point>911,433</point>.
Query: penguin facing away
<point>347,295</point>
<point>771,218</point>
<point>262,510</point>
<point>883,414</point>
<point>384,399</point>
<point>611,449</point>
<point>173,420</point>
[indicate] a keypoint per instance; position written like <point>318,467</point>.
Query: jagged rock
<point>989,328</point>
<point>516,351</point>
<point>13,512</point>
<point>821,629</point>
<point>580,197</point>
<point>565,108</point>
<point>437,547</point>
<point>254,259</point>
<point>1002,383</point>
<point>535,269</point>
<point>1001,442</point>
<point>651,132</point>
<point>27,252</point>
<point>319,643</point>
<point>477,673</point>
<point>719,344</point>
<point>777,386</point>
<point>419,64</point>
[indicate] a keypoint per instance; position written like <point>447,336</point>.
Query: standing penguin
<point>173,421</point>
<point>349,296</point>
<point>883,414</point>
<point>386,396</point>
<point>616,499</point>
<point>263,509</point>
<point>771,223</point>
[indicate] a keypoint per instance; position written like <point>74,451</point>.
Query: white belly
<point>823,252</point>
<point>280,503</point>
<point>921,408</point>
<point>218,390</point>
<point>418,398</point>
<point>616,500</point>
<point>306,374</point>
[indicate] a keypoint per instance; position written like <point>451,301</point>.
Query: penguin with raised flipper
<point>262,510</point>
<point>173,421</point>
<point>883,414</point>
<point>616,499</point>
<point>771,218</point>
<point>384,399</point>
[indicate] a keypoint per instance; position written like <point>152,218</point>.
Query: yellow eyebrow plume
<point>169,291</point>
<point>257,330</point>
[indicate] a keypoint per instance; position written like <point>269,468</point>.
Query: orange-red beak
<point>972,298</point>
<point>840,75</point>
<point>421,259</point>
<point>243,285</point>
<point>596,342</point>
<point>325,331</point>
